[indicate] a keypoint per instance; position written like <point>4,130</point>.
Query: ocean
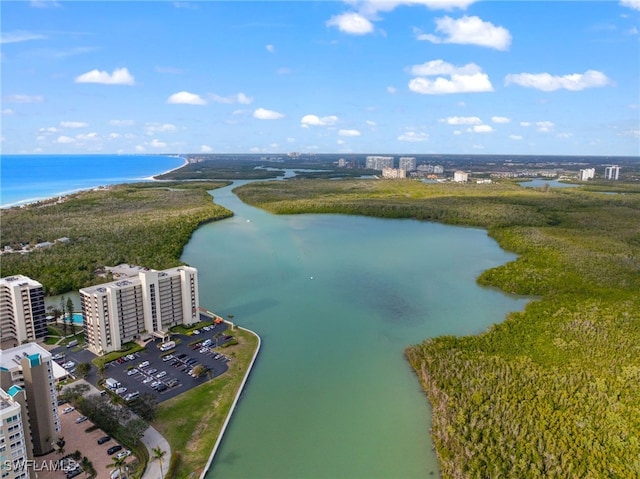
<point>28,178</point>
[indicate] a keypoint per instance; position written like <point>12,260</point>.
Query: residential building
<point>394,173</point>
<point>379,162</point>
<point>22,311</point>
<point>13,447</point>
<point>129,309</point>
<point>407,163</point>
<point>460,176</point>
<point>438,169</point>
<point>612,172</point>
<point>29,367</point>
<point>586,174</point>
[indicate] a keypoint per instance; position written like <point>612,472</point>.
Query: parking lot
<point>162,373</point>
<point>89,443</point>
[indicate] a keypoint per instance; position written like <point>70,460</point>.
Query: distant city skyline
<point>401,77</point>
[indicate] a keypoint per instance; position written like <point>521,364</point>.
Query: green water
<point>336,299</point>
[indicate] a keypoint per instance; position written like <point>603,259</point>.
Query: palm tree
<point>117,463</point>
<point>158,454</point>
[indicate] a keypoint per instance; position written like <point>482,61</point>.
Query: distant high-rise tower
<point>379,162</point>
<point>612,172</point>
<point>22,311</point>
<point>407,163</point>
<point>586,174</point>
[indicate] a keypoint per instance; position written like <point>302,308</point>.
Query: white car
<point>121,391</point>
<point>143,364</point>
<point>131,372</point>
<point>124,453</point>
<point>67,410</point>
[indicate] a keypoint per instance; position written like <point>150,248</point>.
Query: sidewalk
<point>152,439</point>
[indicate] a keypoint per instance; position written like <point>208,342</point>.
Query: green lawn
<point>192,421</point>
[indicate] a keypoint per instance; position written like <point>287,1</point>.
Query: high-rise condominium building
<point>407,163</point>
<point>13,447</point>
<point>612,172</point>
<point>379,162</point>
<point>126,310</point>
<point>28,368</point>
<point>586,174</point>
<point>22,311</point>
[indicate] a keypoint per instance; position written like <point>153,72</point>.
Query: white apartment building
<point>13,448</point>
<point>22,311</point>
<point>379,162</point>
<point>438,169</point>
<point>126,310</point>
<point>586,174</point>
<point>26,373</point>
<point>394,173</point>
<point>460,176</point>
<point>407,163</point>
<point>612,172</point>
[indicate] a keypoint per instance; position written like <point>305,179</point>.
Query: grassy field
<point>553,391</point>
<point>192,421</point>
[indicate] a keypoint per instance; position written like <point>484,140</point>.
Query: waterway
<point>336,300</point>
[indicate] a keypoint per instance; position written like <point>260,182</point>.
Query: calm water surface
<point>336,299</point>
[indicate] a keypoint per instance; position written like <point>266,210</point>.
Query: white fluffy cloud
<point>120,76</point>
<point>478,82</point>
<point>230,99</point>
<point>515,137</point>
<point>548,82</point>
<point>186,98</point>
<point>544,126</point>
<point>73,124</point>
<point>635,4</point>
<point>263,114</point>
<point>8,112</point>
<point>157,143</point>
<point>500,119</point>
<point>315,120</point>
<point>205,149</point>
<point>465,79</point>
<point>461,120</point>
<point>270,48</point>
<point>351,22</point>
<point>359,22</point>
<point>414,136</point>
<point>481,129</point>
<point>469,31</point>
<point>65,140</point>
<point>348,133</point>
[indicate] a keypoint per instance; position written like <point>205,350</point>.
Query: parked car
<point>143,364</point>
<point>81,419</point>
<point>124,453</point>
<point>121,391</point>
<point>67,410</point>
<point>104,439</point>
<point>113,449</point>
<point>131,372</point>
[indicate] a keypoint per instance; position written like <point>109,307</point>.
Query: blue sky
<point>415,76</point>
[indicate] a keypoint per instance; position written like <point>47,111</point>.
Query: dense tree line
<point>146,224</point>
<point>553,391</point>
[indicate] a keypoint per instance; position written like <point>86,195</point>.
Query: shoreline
<point>59,195</point>
<point>214,450</point>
